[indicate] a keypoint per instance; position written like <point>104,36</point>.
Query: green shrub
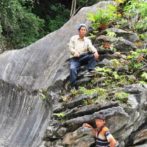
<point>20,26</point>
<point>135,11</point>
<point>60,115</point>
<point>121,96</point>
<point>144,76</point>
<point>99,91</point>
<point>57,19</point>
<point>103,16</point>
<point>137,59</point>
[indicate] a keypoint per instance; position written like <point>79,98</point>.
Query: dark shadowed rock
<point>128,35</point>
<point>141,136</point>
<point>120,44</point>
<point>82,137</point>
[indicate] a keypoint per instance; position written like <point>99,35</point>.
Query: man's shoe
<point>92,70</point>
<point>74,87</point>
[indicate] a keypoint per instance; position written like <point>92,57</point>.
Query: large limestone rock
<point>37,66</point>
<point>23,115</point>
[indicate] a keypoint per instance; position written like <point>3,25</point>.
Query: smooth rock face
<point>23,115</point>
<point>41,64</point>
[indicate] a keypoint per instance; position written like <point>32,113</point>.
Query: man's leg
<point>88,60</point>
<point>91,62</point>
<point>74,67</point>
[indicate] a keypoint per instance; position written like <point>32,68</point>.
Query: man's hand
<point>96,55</point>
<point>76,54</point>
<point>112,141</point>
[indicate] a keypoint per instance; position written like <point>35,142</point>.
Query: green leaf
<point>121,96</point>
<point>144,76</point>
<point>59,115</point>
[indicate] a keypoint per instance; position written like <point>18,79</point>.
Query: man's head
<point>82,30</point>
<point>100,121</point>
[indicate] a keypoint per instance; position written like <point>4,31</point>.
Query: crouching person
<point>102,134</point>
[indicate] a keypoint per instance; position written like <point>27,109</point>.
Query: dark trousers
<point>75,63</point>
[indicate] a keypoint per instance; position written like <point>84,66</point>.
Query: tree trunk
<point>73,8</point>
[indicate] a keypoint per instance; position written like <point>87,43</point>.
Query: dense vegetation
<point>128,15</point>
<point>24,21</point>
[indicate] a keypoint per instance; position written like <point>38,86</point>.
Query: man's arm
<point>112,142</point>
<point>71,48</point>
<point>93,49</point>
<point>111,139</point>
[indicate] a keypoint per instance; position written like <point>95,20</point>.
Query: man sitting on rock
<point>82,52</point>
<point>101,133</point>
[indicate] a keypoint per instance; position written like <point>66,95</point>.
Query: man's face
<point>100,123</point>
<point>82,31</point>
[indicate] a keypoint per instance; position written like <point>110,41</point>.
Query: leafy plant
<point>144,76</point>
<point>142,51</point>
<point>136,59</point>
<point>115,63</point>
<point>122,81</point>
<point>143,36</point>
<point>135,11</point>
<point>87,91</point>
<point>60,115</point>
<point>43,94</point>
<point>122,23</point>
<point>88,101</point>
<point>103,16</point>
<point>20,26</point>
<point>141,25</point>
<point>110,33</point>
<point>74,92</point>
<point>121,96</point>
<point>104,69</point>
<point>57,19</point>
<point>116,76</point>
<point>99,91</point>
<point>131,79</point>
<point>142,82</point>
